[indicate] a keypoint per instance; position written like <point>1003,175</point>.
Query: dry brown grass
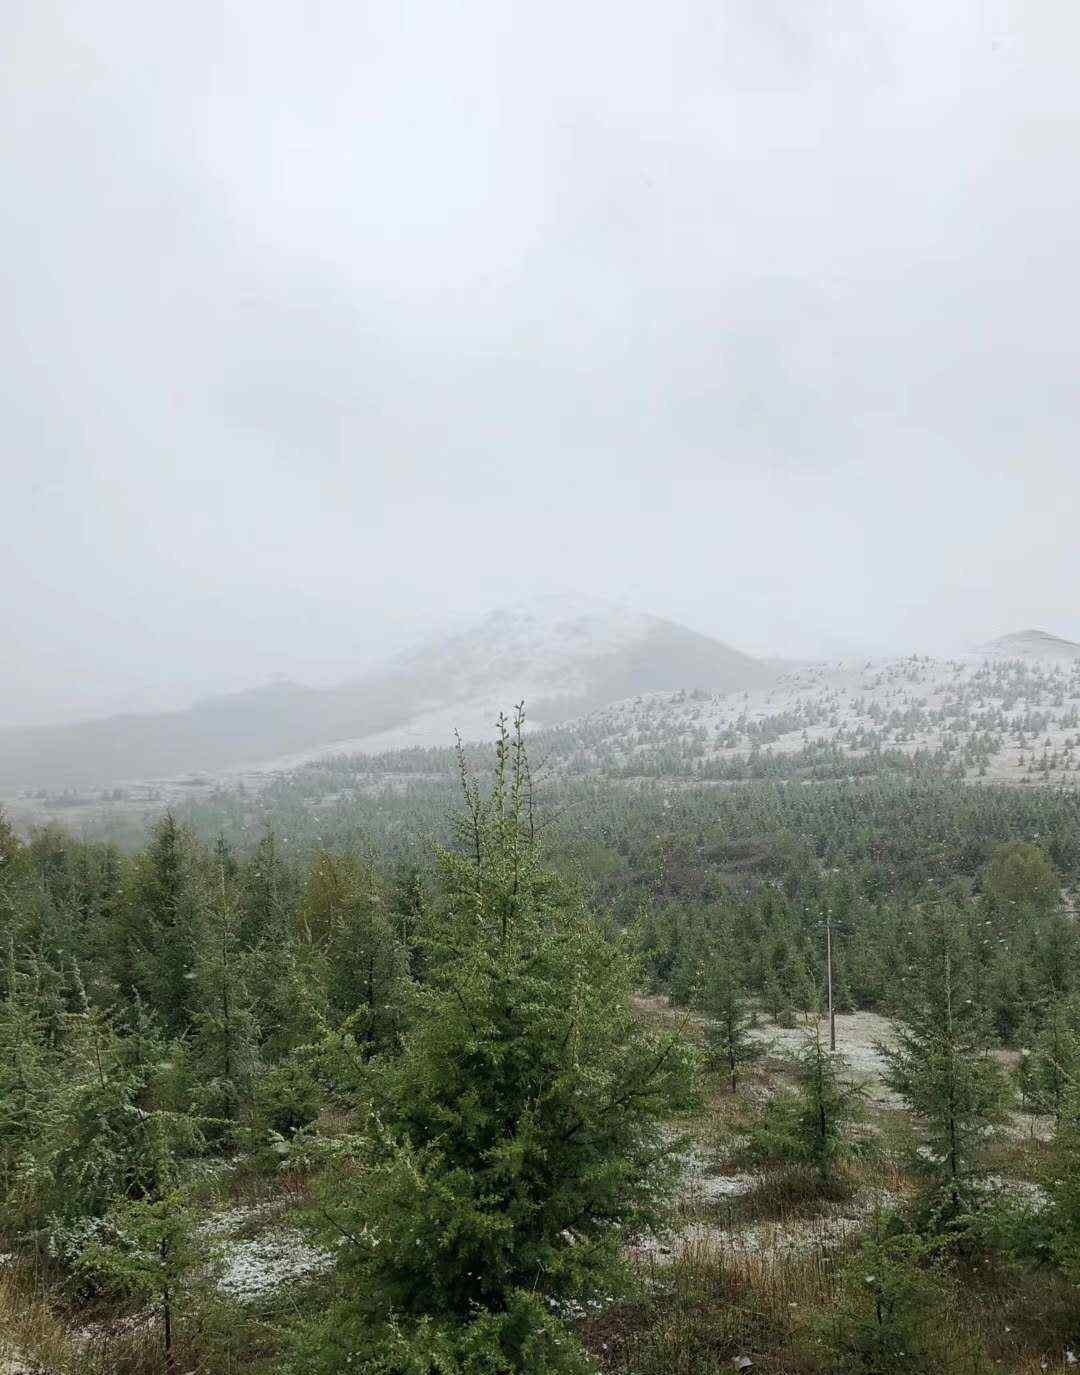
<point>31,1334</point>
<point>712,1305</point>
<point>692,1320</point>
<point>718,1298</point>
<point>737,1285</point>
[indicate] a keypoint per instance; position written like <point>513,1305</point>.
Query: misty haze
<point>540,714</point>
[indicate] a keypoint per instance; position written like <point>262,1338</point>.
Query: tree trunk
<point>166,1317</point>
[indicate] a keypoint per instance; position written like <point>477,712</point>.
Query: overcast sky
<point>326,324</point>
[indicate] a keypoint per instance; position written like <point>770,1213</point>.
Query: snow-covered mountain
<point>615,690</point>
<point>564,656</point>
<point>997,716</point>
<point>1033,644</point>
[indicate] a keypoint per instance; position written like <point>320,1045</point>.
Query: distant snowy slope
<point>1033,644</point>
<point>564,655</point>
<point>570,654</point>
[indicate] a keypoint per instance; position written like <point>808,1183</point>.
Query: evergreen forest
<point>504,1072</point>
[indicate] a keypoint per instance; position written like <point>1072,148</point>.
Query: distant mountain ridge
<point>564,655</point>
<point>1033,644</point>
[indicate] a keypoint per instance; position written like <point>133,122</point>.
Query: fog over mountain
<point>644,688</point>
<point>565,655</point>
<point>331,326</point>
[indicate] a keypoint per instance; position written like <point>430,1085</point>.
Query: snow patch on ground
<point>700,1186</point>
<point>251,1268</point>
<point>260,1266</point>
<point>801,1236</point>
<point>858,1035</point>
<point>710,1188</point>
<point>1023,1189</point>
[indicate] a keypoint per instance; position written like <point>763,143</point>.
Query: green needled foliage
<point>887,1290</point>
<point>808,1126</point>
<point>829,1102</point>
<point>1048,1073</point>
<point>723,999</point>
<point>1062,1172</point>
<point>85,1116</point>
<point>148,1248</point>
<point>517,1135</point>
<point>1020,873</point>
<point>943,1069</point>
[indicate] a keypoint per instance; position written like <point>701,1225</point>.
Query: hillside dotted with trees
<point>539,1077</point>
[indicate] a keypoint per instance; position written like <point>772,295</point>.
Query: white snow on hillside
<point>1001,718</point>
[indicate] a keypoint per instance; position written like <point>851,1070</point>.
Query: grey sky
<point>327,323</point>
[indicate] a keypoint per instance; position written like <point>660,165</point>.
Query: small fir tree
<point>724,999</point>
<point>830,1101</point>
<point>943,1069</point>
<point>890,1293</point>
<point>148,1248</point>
<point>224,1057</point>
<point>1051,1067</point>
<point>808,1126</point>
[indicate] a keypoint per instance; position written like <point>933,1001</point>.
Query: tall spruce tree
<point>224,1044</point>
<point>367,961</point>
<point>1051,1068</point>
<point>158,928</point>
<point>517,1134</point>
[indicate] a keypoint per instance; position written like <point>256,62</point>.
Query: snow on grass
<point>700,1186</point>
<point>250,1268</point>
<point>259,1266</point>
<point>1025,1190</point>
<point>710,1188</point>
<point>227,1222</point>
<point>830,1229</point>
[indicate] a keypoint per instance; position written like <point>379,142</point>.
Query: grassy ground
<point>751,1266</point>
<point>261,1277</point>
